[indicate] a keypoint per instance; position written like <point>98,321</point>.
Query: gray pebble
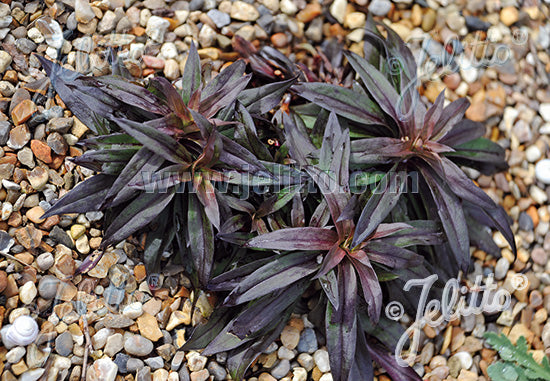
<point>138,345</point>
<point>221,19</point>
<point>525,222</point>
<point>121,360</point>
<point>308,341</point>
<point>64,344</point>
<point>47,287</point>
<point>281,369</point>
<point>143,374</point>
<point>133,364</point>
<point>501,268</point>
<point>5,128</point>
<point>45,261</point>
<point>380,7</point>
<point>217,371</point>
<point>155,362</point>
<point>61,237</point>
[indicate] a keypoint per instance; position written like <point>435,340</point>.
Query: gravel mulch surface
<point>134,333</point>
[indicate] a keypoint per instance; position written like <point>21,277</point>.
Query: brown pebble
<point>532,212</point>
<point>309,12</point>
<point>23,111</point>
<point>280,40</point>
<point>29,236</point>
<point>452,81</point>
<point>539,256</point>
<point>140,273</point>
<point>3,280</point>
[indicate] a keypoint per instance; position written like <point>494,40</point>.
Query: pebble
<point>207,36</point>
<point>83,11</point>
<point>501,268</point>
<point>539,256</point>
<point>201,375</point>
<point>288,7</point>
<point>338,9</point>
<point>32,375</point>
<point>143,374</point>
<point>313,10</point>
<point>525,222</point>
<point>38,178</point>
<point>299,374</point>
<point>542,171</point>
<point>290,337</point>
<point>380,7</point>
<point>15,355</point>
<point>308,341</point>
<point>533,153</point>
<point>19,136</point>
<point>64,344</point>
<point>217,371</point>
<point>138,345</point>
<point>156,28</point>
<point>322,360</point>
<point>121,360</point>
<point>26,157</point>
<point>509,15</point>
<point>459,361</point>
<point>544,111</point>
<point>47,287</point>
<point>177,360</point>
<point>281,369</point>
<point>27,292</point>
<point>133,310</point>
<point>221,19</point>
<point>195,361</point>
<point>5,61</point>
<point>279,40</point>
<point>134,364</point>
<point>285,354</point>
<point>116,321</point>
<point>148,327</point>
<point>244,12</point>
<point>103,369</point>
<point>355,20</point>
<point>538,195</point>
<point>154,362</point>
<point>113,345</point>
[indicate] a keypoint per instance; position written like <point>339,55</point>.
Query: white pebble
<point>542,171</point>
<point>322,360</point>
<point>532,154</point>
<point>537,194</point>
<point>544,111</point>
<point>465,359</point>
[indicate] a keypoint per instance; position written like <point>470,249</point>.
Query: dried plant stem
<point>87,346</point>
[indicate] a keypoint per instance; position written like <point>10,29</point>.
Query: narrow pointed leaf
<point>369,284</point>
<point>344,102</point>
<point>260,100</point>
<point>140,212</point>
<point>387,361</point>
<point>379,205</point>
<point>201,239</point>
<point>295,239</point>
<point>272,277</point>
<point>450,116</point>
<point>377,85</point>
<point>449,209</point>
<point>191,78</point>
<point>341,325</point>
<point>85,196</point>
<point>154,140</point>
